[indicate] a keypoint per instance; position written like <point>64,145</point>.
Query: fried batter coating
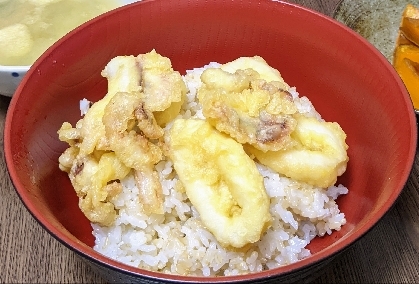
<point>139,75</point>
<point>164,88</point>
<point>258,64</point>
<point>119,128</point>
<point>123,76</point>
<point>248,100</point>
<point>248,108</point>
<point>91,179</point>
<point>67,158</point>
<point>69,134</point>
<point>318,159</point>
<point>221,181</point>
<point>150,190</point>
<point>134,149</point>
<point>93,169</point>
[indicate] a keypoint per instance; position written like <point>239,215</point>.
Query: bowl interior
<point>347,80</point>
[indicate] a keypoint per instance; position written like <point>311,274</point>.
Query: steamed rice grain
<point>178,243</point>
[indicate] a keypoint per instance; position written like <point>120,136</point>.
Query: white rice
<point>178,243</point>
<point>84,106</point>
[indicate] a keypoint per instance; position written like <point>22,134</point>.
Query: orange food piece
<point>401,40</point>
<point>406,52</point>
<point>406,63</point>
<point>409,26</point>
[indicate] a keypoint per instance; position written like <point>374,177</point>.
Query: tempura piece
<point>123,124</point>
<point>318,159</point>
<point>249,109</point>
<point>134,149</point>
<point>123,76</point>
<point>259,65</point>
<point>164,88</point>
<point>248,100</point>
<point>221,181</point>
<point>94,180</point>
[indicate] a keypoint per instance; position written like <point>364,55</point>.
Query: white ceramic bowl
<point>10,76</point>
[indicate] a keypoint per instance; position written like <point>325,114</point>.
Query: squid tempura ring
<point>221,181</point>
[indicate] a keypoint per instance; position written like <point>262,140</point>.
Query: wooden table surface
<point>389,253</point>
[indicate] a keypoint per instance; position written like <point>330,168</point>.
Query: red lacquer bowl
<point>344,76</point>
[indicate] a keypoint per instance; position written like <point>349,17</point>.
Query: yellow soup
<point>29,27</point>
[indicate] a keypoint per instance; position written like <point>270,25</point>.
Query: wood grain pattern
<point>389,253</point>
